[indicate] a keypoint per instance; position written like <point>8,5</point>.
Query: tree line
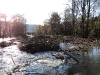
<point>16,26</point>
<point>80,19</point>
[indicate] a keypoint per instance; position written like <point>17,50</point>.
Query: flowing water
<point>15,62</point>
<point>90,64</point>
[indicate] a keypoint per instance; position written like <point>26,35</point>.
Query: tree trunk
<point>73,15</point>
<point>83,19</point>
<point>88,15</point>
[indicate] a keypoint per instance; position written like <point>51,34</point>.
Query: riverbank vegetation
<point>15,27</point>
<point>80,22</point>
<point>80,18</point>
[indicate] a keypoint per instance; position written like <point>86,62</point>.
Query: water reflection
<point>90,64</point>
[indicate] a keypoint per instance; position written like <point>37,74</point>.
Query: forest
<point>14,27</point>
<point>80,18</point>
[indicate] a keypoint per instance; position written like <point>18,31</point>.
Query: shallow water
<point>20,63</point>
<point>90,64</point>
<point>15,62</point>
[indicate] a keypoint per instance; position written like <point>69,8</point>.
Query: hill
<point>31,27</point>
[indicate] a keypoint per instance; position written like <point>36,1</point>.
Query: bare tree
<point>19,25</point>
<point>3,24</point>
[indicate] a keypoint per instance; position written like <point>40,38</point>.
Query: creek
<point>15,62</point>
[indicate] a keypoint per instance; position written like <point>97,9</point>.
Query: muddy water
<point>15,62</point>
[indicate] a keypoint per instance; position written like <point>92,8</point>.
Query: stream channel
<point>15,62</point>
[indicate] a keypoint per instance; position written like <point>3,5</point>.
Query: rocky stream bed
<point>69,59</point>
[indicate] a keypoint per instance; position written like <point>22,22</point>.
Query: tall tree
<point>3,23</point>
<point>55,23</point>
<point>67,27</point>
<point>73,14</point>
<point>47,27</point>
<point>19,25</point>
<point>83,5</point>
<point>88,16</point>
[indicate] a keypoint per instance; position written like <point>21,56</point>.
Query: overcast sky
<point>36,11</point>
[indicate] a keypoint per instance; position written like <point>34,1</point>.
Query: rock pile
<point>39,44</point>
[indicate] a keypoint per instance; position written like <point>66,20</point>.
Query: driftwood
<point>72,56</point>
<point>65,55</point>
